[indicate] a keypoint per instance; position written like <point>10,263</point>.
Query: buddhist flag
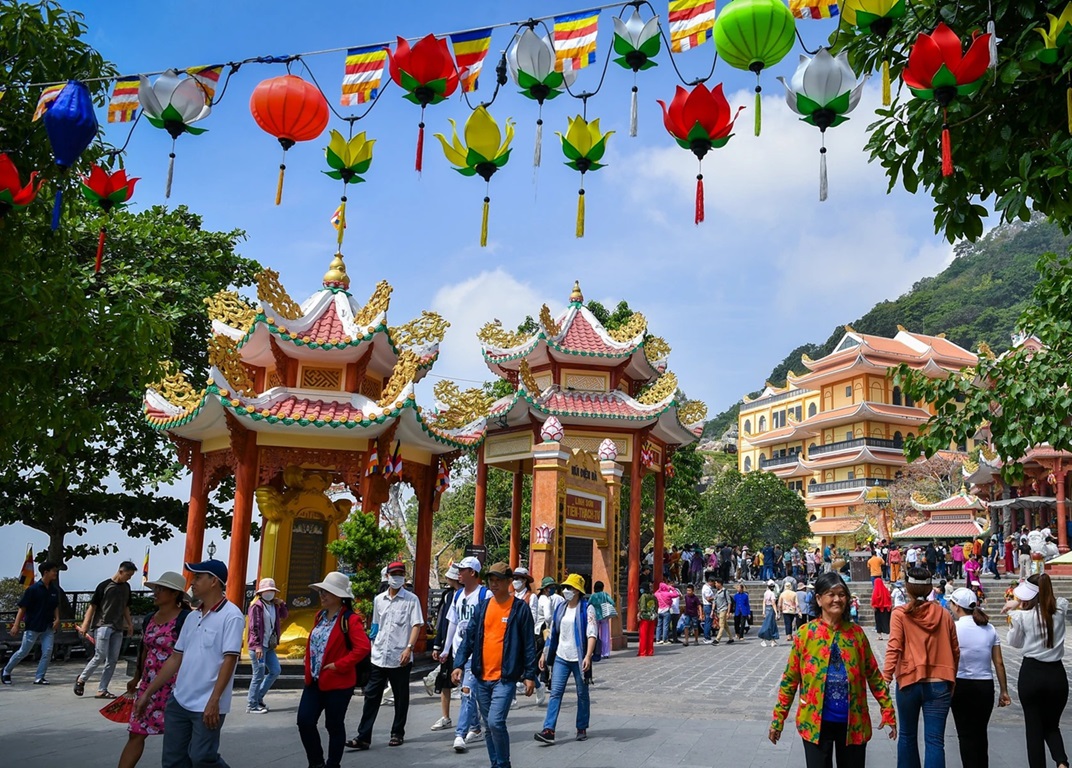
<point>470,49</point>
<point>814,9</point>
<point>394,464</point>
<point>208,78</point>
<point>575,39</point>
<point>442,478</point>
<point>364,70</point>
<point>373,465</point>
<point>47,97</point>
<point>145,568</point>
<point>26,575</point>
<point>692,22</point>
<point>124,101</point>
<point>338,219</point>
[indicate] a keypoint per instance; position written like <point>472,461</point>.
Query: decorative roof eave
<point>960,501</point>
<point>771,437</point>
<point>940,529</point>
<point>163,416</point>
<point>837,526</point>
<point>816,379</point>
<point>835,498</point>
<point>786,471</point>
<point>862,454</point>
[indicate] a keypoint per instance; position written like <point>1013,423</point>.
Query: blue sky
<point>771,267</point>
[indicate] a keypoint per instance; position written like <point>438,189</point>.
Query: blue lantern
<point>71,126</point>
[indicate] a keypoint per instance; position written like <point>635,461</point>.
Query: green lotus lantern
<point>755,34</point>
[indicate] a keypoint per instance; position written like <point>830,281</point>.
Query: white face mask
<point>267,596</point>
<point>519,584</point>
<point>568,594</point>
<point>396,582</point>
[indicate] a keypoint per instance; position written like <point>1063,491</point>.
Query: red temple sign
<point>585,510</point>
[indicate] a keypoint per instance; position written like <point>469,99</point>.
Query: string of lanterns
<point>749,35</point>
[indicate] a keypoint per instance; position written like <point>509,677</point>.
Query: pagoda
<point>587,400</point>
<point>951,519</point>
<point>300,398</point>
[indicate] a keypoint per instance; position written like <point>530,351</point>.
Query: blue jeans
<point>662,627</point>
<point>29,639</point>
<point>468,718</point>
<point>106,651</point>
<point>494,697</point>
<point>707,611</point>
<point>265,673</point>
<point>934,700</point>
<point>559,677</point>
<point>187,742</point>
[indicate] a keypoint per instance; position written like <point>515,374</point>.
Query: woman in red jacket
<point>337,644</point>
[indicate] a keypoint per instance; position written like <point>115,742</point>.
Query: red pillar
<point>635,479</point>
<point>1062,514</point>
<point>515,520</point>
<point>660,521</point>
<point>422,560</point>
<point>245,484</point>
<point>195,514</point>
<point>480,502</point>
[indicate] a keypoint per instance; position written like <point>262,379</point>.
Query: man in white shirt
<point>204,659</point>
<point>707,600</point>
<point>466,600</point>
<point>396,622</point>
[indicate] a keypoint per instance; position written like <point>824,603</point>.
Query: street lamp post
<point>211,550</point>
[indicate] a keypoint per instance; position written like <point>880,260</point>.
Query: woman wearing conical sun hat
<point>570,650</point>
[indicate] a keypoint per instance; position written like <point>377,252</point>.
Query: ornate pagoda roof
<point>835,526</point>
<point>575,336</point>
<point>328,327</point>
<point>950,518</point>
<point>955,503</point>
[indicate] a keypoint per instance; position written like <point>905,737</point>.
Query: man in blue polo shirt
<point>205,657</point>
<point>40,607</point>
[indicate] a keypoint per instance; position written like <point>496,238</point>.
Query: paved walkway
<point>695,706</point>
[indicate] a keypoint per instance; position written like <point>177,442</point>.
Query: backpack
<point>364,667</point>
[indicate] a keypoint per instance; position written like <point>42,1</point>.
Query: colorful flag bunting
<point>692,22</point>
<point>373,465</point>
<point>338,219</point>
<point>814,9</point>
<point>442,477</point>
<point>393,467</point>
<point>208,78</point>
<point>26,575</point>
<point>124,101</point>
<point>364,70</point>
<point>575,39</point>
<point>470,48</point>
<point>145,568</point>
<point>47,97</point>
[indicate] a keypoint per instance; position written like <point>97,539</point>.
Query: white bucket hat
<point>266,585</point>
<point>452,572</point>
<point>168,580</point>
<point>337,584</point>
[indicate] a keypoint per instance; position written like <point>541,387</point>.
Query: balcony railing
<point>847,485</point>
<point>769,400</point>
<point>779,461</point>
<point>860,442</point>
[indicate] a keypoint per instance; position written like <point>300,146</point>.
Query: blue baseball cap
<point>212,567</point>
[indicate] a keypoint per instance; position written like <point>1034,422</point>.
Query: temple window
<point>909,402</point>
<point>812,410</point>
<point>896,396</point>
<point>321,378</point>
<point>762,423</point>
<point>748,426</point>
<point>848,391</point>
<point>898,440</point>
<point>747,463</point>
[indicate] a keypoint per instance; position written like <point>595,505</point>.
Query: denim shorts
<point>691,622</point>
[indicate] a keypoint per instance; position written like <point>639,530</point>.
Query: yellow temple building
<point>838,430</point>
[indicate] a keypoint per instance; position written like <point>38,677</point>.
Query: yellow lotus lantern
<point>485,151</point>
<point>348,159</point>
<point>583,145</point>
<point>875,17</point>
<point>1056,33</point>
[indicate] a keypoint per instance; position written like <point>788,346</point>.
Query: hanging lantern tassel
<point>990,30</point>
<point>287,144</point>
<point>170,171</point>
<point>822,171</point>
<point>633,112</point>
<point>885,82</point>
<point>539,140</point>
<point>100,248</point>
<point>947,147</point>
<point>1068,106</point>
<point>57,205</point>
<point>484,223</point>
<point>580,212</point>
<point>699,198</point>
<point>342,219</point>
<point>759,107</point>
<point>419,164</point>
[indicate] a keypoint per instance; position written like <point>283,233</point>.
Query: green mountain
<point>977,298</point>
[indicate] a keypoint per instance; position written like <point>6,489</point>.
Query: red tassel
<point>947,152</point>
<point>420,147</point>
<point>699,198</point>
<point>100,249</point>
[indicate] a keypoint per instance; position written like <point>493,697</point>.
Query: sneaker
<point>547,736</point>
<point>582,734</point>
<point>5,678</point>
<point>41,681</point>
<point>714,642</point>
<point>459,745</point>
<point>256,709</point>
<point>388,701</point>
<point>541,697</point>
<point>429,685</point>
<point>474,735</point>
<point>729,642</point>
<point>708,641</point>
<point>763,643</point>
<point>442,724</point>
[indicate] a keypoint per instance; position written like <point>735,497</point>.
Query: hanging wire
<point>227,80</point>
<point>114,152</point>
<point>379,93</point>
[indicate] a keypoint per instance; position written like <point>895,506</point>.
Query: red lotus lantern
<point>107,191</point>
<point>699,121</point>
<point>12,194</point>
<point>428,75</point>
<point>290,109</point>
<point>939,69</point>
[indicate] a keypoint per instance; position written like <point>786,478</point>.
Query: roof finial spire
<point>336,276</point>
<point>576,297</point>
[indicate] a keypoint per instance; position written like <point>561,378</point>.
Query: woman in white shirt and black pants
<point>1038,627</point>
<point>973,695</point>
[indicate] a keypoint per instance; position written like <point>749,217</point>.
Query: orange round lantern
<point>290,109</point>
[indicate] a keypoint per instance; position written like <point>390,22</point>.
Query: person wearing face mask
<point>397,620</point>
<point>522,587</point>
<point>266,615</point>
<point>570,650</point>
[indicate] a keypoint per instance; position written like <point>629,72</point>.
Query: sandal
<point>396,741</point>
<point>105,695</point>
<point>355,744</point>
<point>79,687</point>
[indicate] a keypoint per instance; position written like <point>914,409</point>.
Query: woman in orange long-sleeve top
<point>923,654</point>
<point>832,664</point>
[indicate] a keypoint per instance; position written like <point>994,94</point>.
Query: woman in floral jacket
<point>831,662</point>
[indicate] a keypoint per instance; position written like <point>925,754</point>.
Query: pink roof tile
<point>295,407</point>
<point>328,327</point>
<point>608,404</point>
<point>934,529</point>
<point>582,337</point>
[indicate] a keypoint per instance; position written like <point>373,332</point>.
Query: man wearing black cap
<point>397,620</point>
<point>206,654</point>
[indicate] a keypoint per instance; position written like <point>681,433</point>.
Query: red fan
<point>119,710</point>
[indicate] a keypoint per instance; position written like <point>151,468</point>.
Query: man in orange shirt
<point>501,641</point>
<point>874,565</point>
